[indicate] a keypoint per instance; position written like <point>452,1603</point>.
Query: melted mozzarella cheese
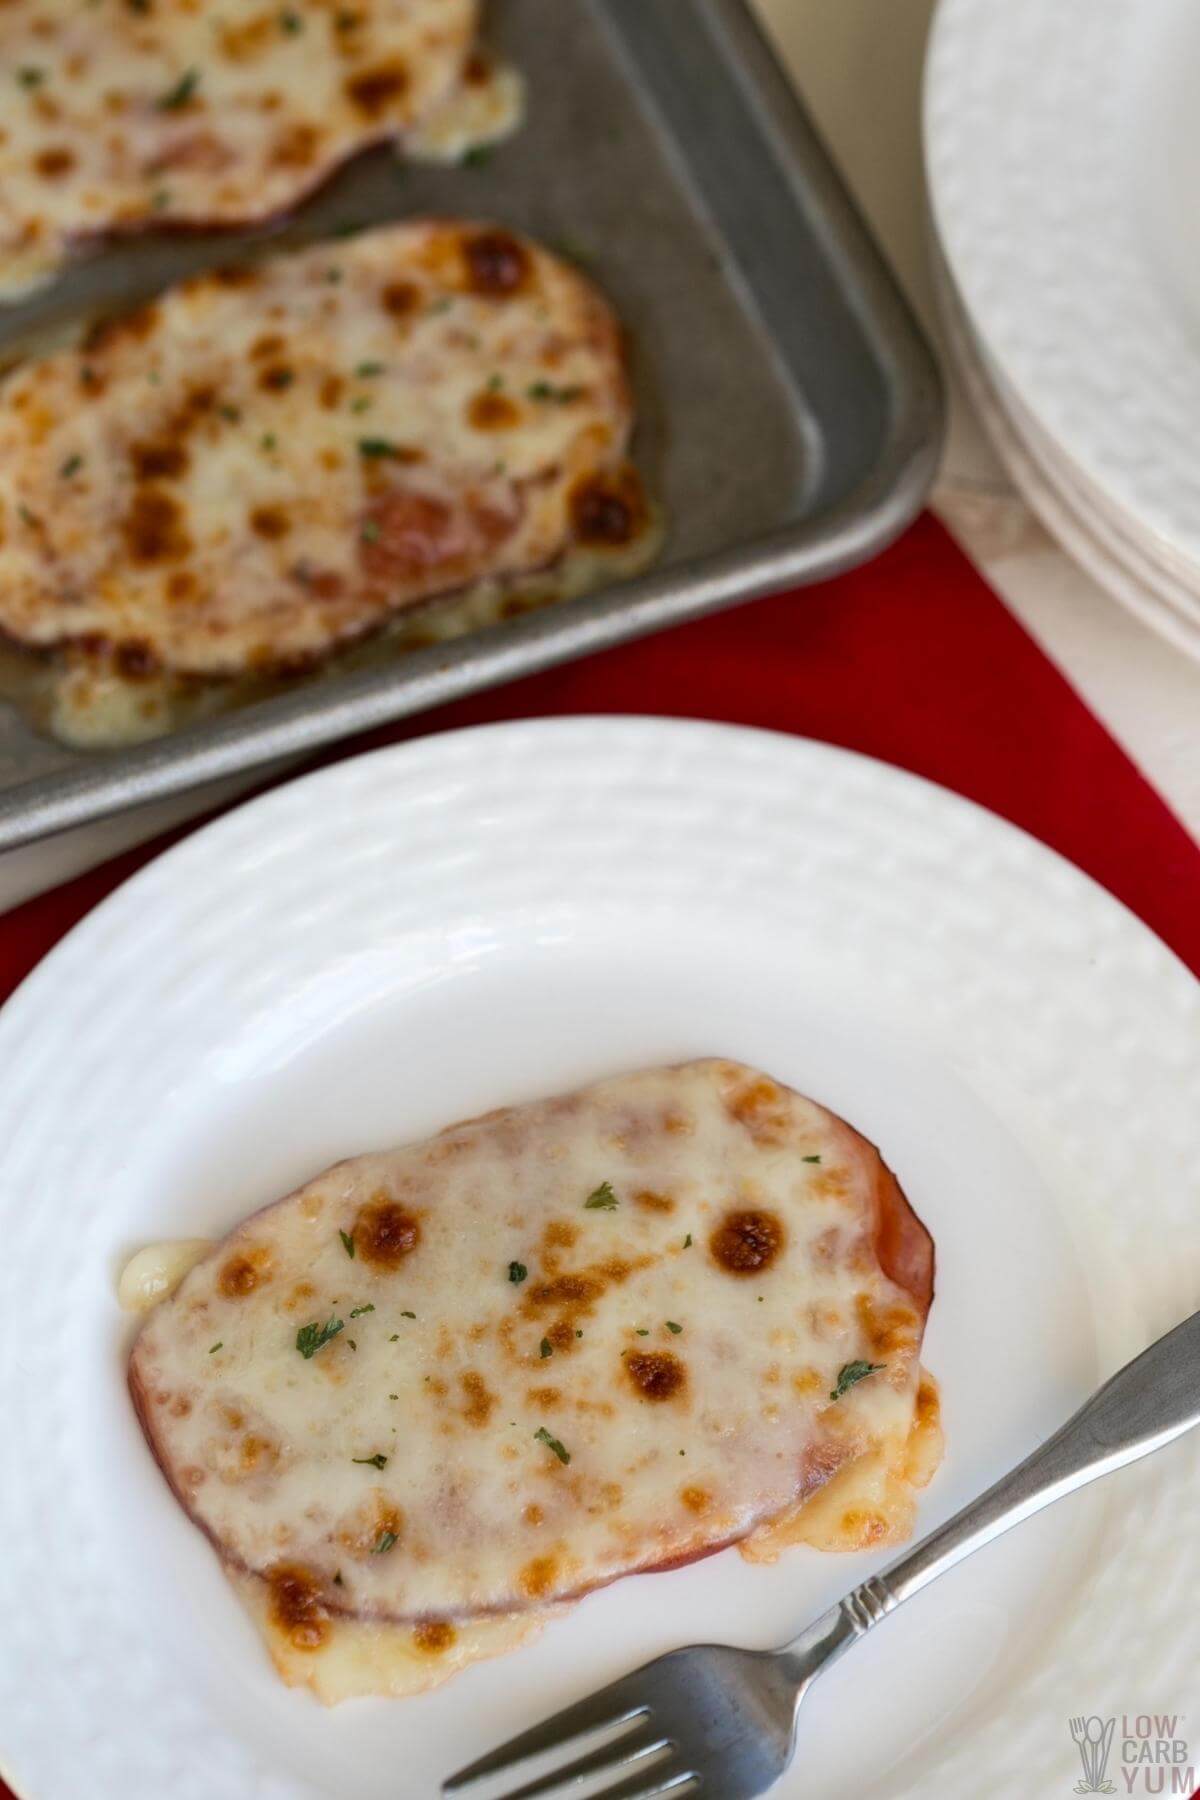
<point>120,117</point>
<point>222,490</point>
<point>443,1390</point>
<point>155,1272</point>
<point>349,1659</point>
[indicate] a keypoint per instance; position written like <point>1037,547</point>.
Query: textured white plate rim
<point>1045,246</point>
<point>1109,961</point>
<point>1113,558</point>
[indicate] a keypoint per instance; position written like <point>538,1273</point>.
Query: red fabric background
<point>911,659</point>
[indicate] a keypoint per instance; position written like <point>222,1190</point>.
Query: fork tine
<point>611,1706</point>
<point>617,1757</point>
<point>654,1785</point>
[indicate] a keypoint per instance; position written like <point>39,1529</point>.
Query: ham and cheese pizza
<point>120,115</point>
<point>443,1389</point>
<point>269,463</point>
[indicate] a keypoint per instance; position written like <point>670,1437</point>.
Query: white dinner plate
<point>1063,147</point>
<point>1110,554</point>
<point>479,918</point>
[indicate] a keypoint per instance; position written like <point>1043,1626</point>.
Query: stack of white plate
<point>1062,140</point>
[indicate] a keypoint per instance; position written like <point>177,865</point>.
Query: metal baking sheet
<point>790,409</point>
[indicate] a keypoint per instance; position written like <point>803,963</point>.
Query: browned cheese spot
<point>296,146</point>
<point>267,347</point>
<point>559,1234</point>
<point>159,459</point>
<point>533,1514</point>
<point>608,509</point>
<point>652,1202</point>
<point>493,412</point>
<point>401,298</point>
<point>888,1329</point>
<point>270,522</point>
<point>359,1533</point>
<point>136,660</point>
<point>244,1271</point>
<point>332,389</point>
<point>153,528</point>
<point>53,163</point>
<point>656,1374</point>
<point>297,1607</point>
<point>480,1402</point>
<point>746,1243</point>
<point>232,276</point>
<point>277,379</point>
<point>543,1396</point>
<point>497,263</point>
<point>538,1576</point>
<point>373,91</point>
<point>385,1232</point>
<point>698,1500</point>
<point>434,1636</point>
<point>762,1107</point>
<point>134,326</point>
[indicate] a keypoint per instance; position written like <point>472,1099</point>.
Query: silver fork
<point>722,1720</point>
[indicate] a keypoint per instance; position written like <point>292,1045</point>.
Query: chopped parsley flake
<point>672,1326</point>
<point>30,77</point>
<point>376,447</point>
<point>370,530</point>
<point>361,403</point>
<point>408,1315</point>
<point>495,383</point>
<point>360,1310</point>
<point>552,1443</point>
<point>337,1580</point>
<point>602,1199</point>
<point>290,21</point>
<point>160,199</point>
<point>810,1159</point>
<point>383,1542</point>
<point>546,390</point>
<point>216,1347</point>
<point>687,1242</point>
<point>311,1338</point>
<point>395,1338</point>
<point>269,440</point>
<point>181,93</point>
<point>24,514</point>
<point>352,1343</point>
<point>642,1331</point>
<point>347,1238</point>
<point>851,1374</point>
<point>547,1348</point>
<point>517,1272</point>
<point>365,370</point>
<point>477,156</point>
<point>393,1396</point>
<point>378,1461</point>
<point>232,413</point>
<point>71,467</point>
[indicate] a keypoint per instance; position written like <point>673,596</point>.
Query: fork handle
<point>1152,1400</point>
